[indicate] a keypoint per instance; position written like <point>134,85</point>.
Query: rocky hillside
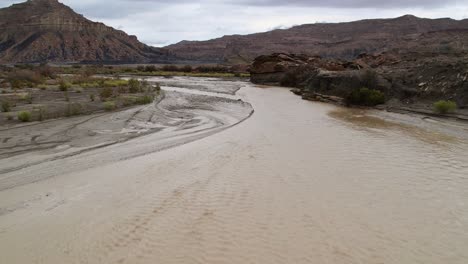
<point>337,40</point>
<point>410,79</point>
<point>49,31</point>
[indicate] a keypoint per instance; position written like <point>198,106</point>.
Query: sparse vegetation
<point>24,116</point>
<point>106,93</point>
<point>109,106</point>
<point>74,109</point>
<point>64,86</point>
<point>444,107</point>
<point>134,86</point>
<point>365,97</point>
<point>146,99</point>
<point>6,106</point>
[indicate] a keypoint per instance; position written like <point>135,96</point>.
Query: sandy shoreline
<point>178,116</point>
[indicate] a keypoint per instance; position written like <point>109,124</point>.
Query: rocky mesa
<point>328,40</point>
<point>49,31</point>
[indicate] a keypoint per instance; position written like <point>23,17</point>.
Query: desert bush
<point>134,86</point>
<point>106,93</point>
<point>210,69</point>
<point>187,68</point>
<point>147,99</point>
<point>6,106</point>
<point>150,68</point>
<point>23,78</point>
<point>43,87</point>
<point>24,116</point>
<point>444,107</point>
<point>92,97</point>
<point>140,68</point>
<point>9,117</point>
<point>365,97</point>
<point>170,68</point>
<point>109,106</point>
<point>64,86</point>
<point>46,71</point>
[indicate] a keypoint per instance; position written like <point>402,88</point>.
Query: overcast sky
<point>163,22</point>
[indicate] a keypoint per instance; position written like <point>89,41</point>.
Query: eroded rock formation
<point>49,31</point>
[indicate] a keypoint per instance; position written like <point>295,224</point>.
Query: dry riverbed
<point>177,115</point>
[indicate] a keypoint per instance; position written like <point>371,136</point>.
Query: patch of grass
<point>109,106</point>
<point>24,116</point>
<point>444,107</point>
<point>43,87</point>
<point>365,97</point>
<point>115,83</point>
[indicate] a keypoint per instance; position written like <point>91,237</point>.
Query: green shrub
<point>444,107</point>
<point>6,106</point>
<point>43,87</point>
<point>150,68</point>
<point>24,116</point>
<point>134,86</point>
<point>64,86</point>
<point>147,99</point>
<point>106,93</point>
<point>365,97</point>
<point>109,106</point>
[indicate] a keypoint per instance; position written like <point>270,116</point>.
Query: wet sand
<point>298,182</point>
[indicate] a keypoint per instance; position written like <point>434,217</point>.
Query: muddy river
<point>296,182</point>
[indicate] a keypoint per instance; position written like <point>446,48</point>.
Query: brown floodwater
<point>298,182</point>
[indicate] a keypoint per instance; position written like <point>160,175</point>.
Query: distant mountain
<point>330,40</point>
<point>49,31</point>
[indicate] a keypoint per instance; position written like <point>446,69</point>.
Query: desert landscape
<point>317,143</point>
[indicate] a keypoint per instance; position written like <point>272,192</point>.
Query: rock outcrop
<point>404,78</point>
<point>49,31</point>
<point>331,40</point>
